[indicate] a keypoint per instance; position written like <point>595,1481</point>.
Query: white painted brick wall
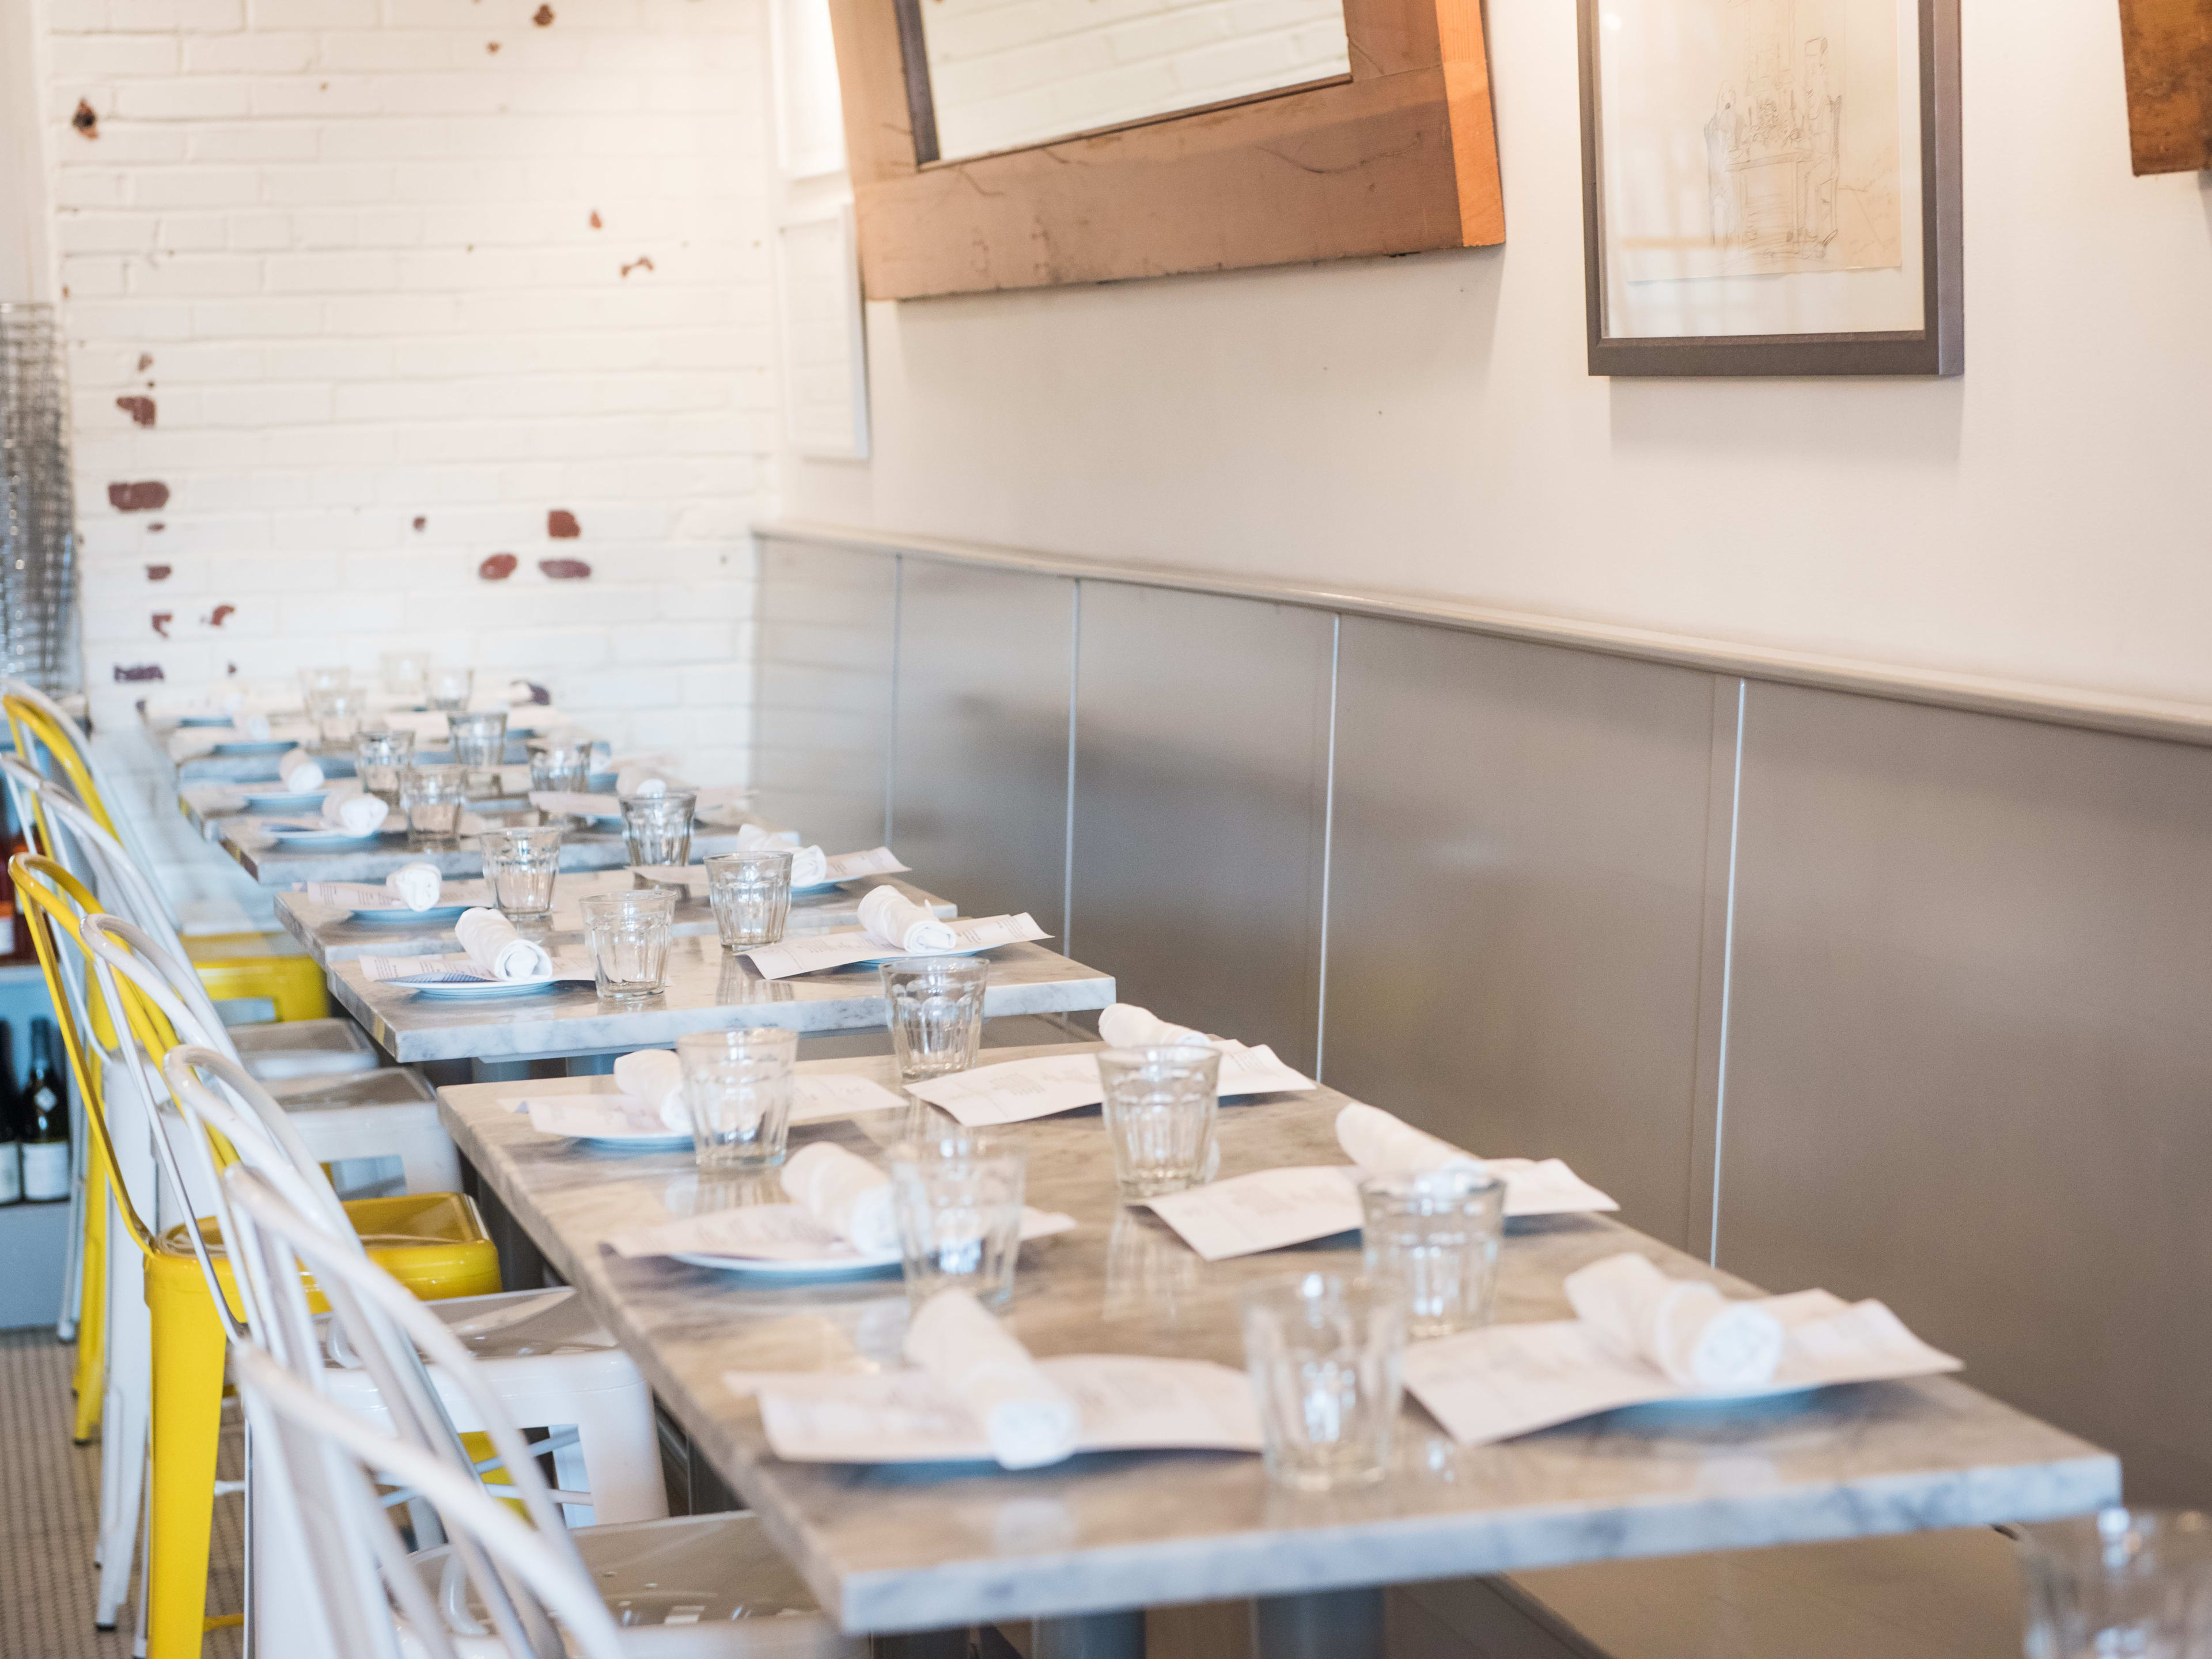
<point>1005,73</point>
<point>356,244</point>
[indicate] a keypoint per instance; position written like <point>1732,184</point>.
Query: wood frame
<point>1937,348</point>
<point>2168,46</point>
<point>1399,157</point>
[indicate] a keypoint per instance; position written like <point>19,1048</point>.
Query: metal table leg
<point>1091,1636</point>
<point>1327,1624</point>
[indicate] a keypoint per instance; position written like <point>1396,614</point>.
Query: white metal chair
<point>702,1586</point>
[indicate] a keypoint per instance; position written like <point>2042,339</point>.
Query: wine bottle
<point>11,1151</point>
<point>46,1123</point>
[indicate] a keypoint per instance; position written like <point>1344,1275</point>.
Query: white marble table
<point>274,864</point>
<point>332,935</point>
<point>707,991</point>
<point>262,769</point>
<point>917,1549</point>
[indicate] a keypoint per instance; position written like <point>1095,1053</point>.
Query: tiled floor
<point>49,1507</point>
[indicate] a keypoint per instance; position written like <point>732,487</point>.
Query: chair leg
<point>92,1303</point>
<point>122,1426</point>
<point>187,1422</point>
<point>121,1542</point>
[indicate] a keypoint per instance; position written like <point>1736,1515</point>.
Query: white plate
<point>479,990</point>
<point>400,915</point>
<point>759,1267</point>
<point>284,800</point>
<point>325,837</point>
<point>667,1143</point>
<point>203,719</point>
<point>1732,1396</point>
<point>255,746</point>
<point>813,888</point>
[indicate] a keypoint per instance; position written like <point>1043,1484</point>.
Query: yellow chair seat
<point>271,965</point>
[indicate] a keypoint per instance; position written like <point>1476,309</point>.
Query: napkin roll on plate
<point>299,771</point>
<point>845,1192</point>
<point>1382,1145</point>
<point>347,808</point>
<point>495,948</point>
<point>1028,1420</point>
<point>901,924</point>
<point>1125,1025</point>
<point>654,1078</point>
<point>1689,1330</point>
<point>416,885</point>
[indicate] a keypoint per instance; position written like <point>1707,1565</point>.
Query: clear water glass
<point>739,1086</point>
<point>1161,1105</point>
<point>338,711</point>
<point>657,828</point>
<point>1432,1240</point>
<point>2123,1584</point>
<point>751,896</point>
<point>1326,1353</point>
<point>564,766</point>
<point>628,933</point>
<point>432,797</point>
<point>479,741</point>
<point>447,691</point>
<point>378,758</point>
<point>520,865</point>
<point>958,1197</point>
<point>936,1014</point>
<point>327,679</point>
<point>404,673</point>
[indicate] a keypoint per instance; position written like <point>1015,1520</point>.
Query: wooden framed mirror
<point>1202,146</point>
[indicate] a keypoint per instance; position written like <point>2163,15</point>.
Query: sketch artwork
<point>1800,177</point>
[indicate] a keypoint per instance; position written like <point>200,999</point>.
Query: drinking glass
<point>2122,1581</point>
<point>447,691</point>
<point>936,1014</point>
<point>1432,1240</point>
<point>520,865</point>
<point>628,936</point>
<point>560,765</point>
<point>404,674</point>
<point>1161,1105</point>
<point>751,896</point>
<point>378,758</point>
<point>958,1197</point>
<point>312,680</point>
<point>1326,1353</point>
<point>479,741</point>
<point>738,1084</point>
<point>338,712</point>
<point>657,828</point>
<point>432,797</point>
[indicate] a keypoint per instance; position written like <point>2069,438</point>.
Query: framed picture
<point>1770,187</point>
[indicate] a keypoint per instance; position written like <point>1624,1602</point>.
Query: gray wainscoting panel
<point>1201,789</point>
<point>979,788</point>
<point>1518,893</point>
<point>823,690</point>
<point>1967,1066</point>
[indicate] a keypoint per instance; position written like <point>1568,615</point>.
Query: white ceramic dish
<point>401,916</point>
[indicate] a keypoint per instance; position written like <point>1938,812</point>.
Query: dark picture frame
<point>1935,349</point>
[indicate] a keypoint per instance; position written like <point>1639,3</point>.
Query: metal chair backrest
<point>48,737</point>
<point>392,1333</point>
<point>95,855</point>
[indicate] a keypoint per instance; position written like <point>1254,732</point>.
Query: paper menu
<point>816,952</point>
<point>1128,1402</point>
<point>1272,1209</point>
<point>1020,1089</point>
<point>1507,1379</point>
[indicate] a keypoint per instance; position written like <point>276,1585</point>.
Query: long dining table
<point>1086,1544</point>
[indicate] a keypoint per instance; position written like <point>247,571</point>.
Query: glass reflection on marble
<point>740,983</point>
<point>737,1085</point>
<point>1161,1106</point>
<point>1150,1271</point>
<point>627,935</point>
<point>2123,1584</point>
<point>378,758</point>
<point>1432,1239</point>
<point>958,1196</point>
<point>1326,1353</point>
<point>520,865</point>
<point>936,1014</point>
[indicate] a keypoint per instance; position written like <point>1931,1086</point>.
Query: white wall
<point>349,249</point>
<point>1428,423</point>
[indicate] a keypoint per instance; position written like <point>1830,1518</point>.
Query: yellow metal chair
<point>434,1243</point>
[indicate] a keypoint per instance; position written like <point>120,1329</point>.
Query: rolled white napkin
<point>1382,1145</point>
<point>845,1192</point>
<point>1029,1420</point>
<point>750,835</point>
<point>810,867</point>
<point>1125,1025</point>
<point>901,924</point>
<point>299,771</point>
<point>416,885</point>
<point>347,808</point>
<point>1689,1330</point>
<point>497,949</point>
<point>654,1078</point>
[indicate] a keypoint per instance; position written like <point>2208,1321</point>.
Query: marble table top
<point>330,935</point>
<point>926,1548</point>
<point>707,991</point>
<point>274,864</point>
